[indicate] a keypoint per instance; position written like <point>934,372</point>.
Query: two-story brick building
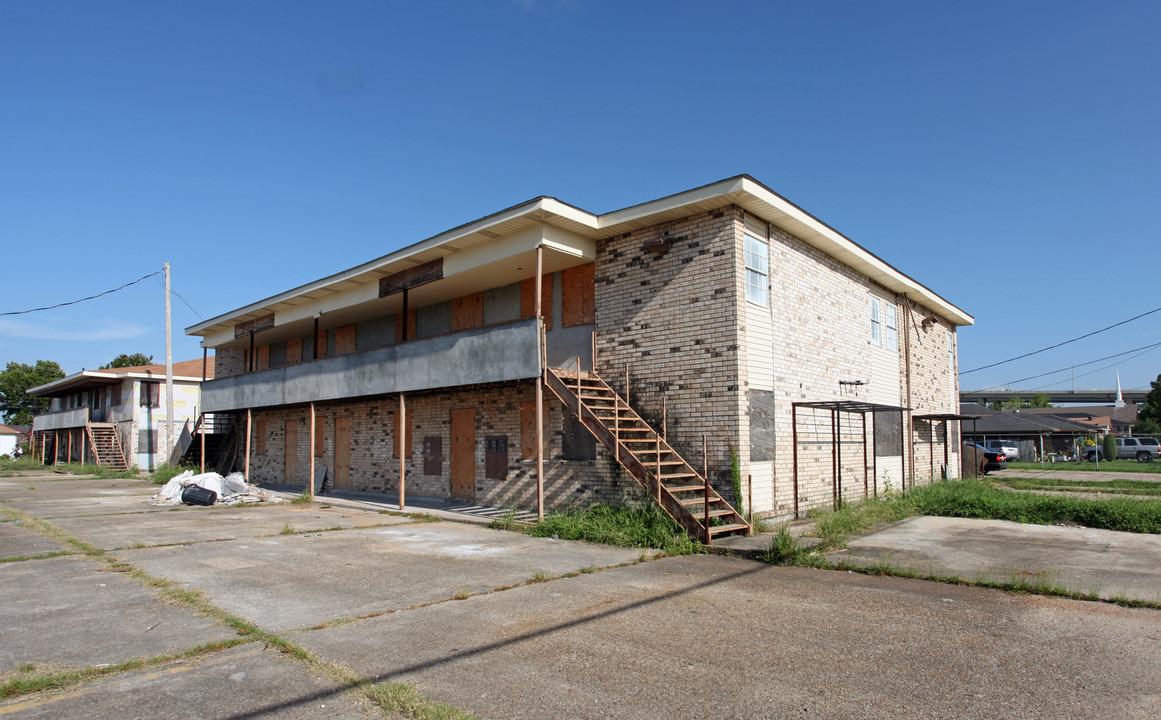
<point>721,322</point>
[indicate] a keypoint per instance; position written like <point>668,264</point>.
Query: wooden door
<point>342,453</point>
<point>291,452</point>
<point>463,453</point>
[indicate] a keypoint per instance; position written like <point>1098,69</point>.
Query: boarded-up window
<point>577,296</point>
<point>496,457</point>
<point>888,434</point>
<point>115,398</point>
<point>147,441</point>
<point>260,437</point>
<point>319,440</point>
<point>410,433</point>
<point>528,428</point>
<point>294,351</point>
<point>345,340</point>
<point>433,455</point>
<point>262,356</point>
<point>577,443</point>
<point>410,326</point>
<point>528,299</point>
<point>150,394</point>
<point>762,420</point>
<point>467,312</point>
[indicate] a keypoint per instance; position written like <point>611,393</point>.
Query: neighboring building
<point>1035,433</point>
<point>117,416</point>
<point>1107,418</point>
<point>724,312</point>
<point>8,439</point>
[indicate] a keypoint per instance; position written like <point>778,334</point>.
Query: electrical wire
<point>74,302</point>
<point>179,297</point>
<point>1060,344</point>
<point>1144,348</point>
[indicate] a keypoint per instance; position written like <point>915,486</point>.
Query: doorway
<point>342,479</point>
<point>463,453</point>
<point>291,452</point>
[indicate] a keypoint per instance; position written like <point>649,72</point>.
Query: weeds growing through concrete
<point>165,473</point>
<point>641,526</point>
<point>287,529</point>
<point>303,498</point>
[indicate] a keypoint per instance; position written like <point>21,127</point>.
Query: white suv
<point>1144,449</point>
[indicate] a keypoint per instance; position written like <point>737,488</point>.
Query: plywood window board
<point>528,299</point>
<point>345,340</point>
<point>319,438</point>
<point>433,455</point>
<point>410,326</point>
<point>260,437</point>
<point>467,312</point>
<point>528,428</point>
<point>262,355</point>
<point>578,296</point>
<point>294,351</point>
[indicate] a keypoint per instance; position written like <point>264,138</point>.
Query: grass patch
<point>287,529</point>
<point>1106,487</point>
<point>642,526</point>
<point>978,499</point>
<point>462,593</point>
<point>165,473</point>
<point>1117,466</point>
<point>303,498</point>
<point>10,467</point>
<point>507,521</point>
<point>42,556</point>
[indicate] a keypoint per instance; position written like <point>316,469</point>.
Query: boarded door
<point>463,453</point>
<point>342,453</point>
<point>291,451</point>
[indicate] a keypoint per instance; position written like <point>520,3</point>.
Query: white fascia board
<point>493,251</point>
<point>64,382</point>
<point>655,207</point>
<point>569,243</point>
<point>161,376</point>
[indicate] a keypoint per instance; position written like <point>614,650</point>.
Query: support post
<point>750,497</point>
<point>794,443</point>
<point>69,457</point>
<point>834,467</point>
<point>84,445</point>
<point>658,460</point>
<point>248,422</point>
<point>55,446</point>
<point>866,488</point>
<point>205,362</point>
<point>705,476</point>
<point>402,452</point>
<point>170,440</point>
<point>310,451</point>
<point>202,421</point>
<point>541,354</point>
<point>578,390</point>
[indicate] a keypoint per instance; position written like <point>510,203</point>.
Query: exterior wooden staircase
<point>106,447</point>
<point>674,483</point>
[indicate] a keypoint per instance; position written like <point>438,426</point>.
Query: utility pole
<point>169,443</point>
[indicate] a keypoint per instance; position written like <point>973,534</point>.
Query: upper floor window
<point>150,394</point>
<point>884,324</point>
<point>757,270</point>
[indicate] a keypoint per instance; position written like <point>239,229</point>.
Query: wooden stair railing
<point>674,483</point>
<point>106,447</point>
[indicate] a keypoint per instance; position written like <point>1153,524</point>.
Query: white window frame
<point>876,321</point>
<point>890,326</point>
<point>757,259</point>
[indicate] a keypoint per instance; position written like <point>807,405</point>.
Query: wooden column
<point>69,457</point>
<point>55,446</point>
<point>541,353</point>
<point>247,467</point>
<point>310,480</point>
<point>202,421</point>
<point>402,445</point>
<point>84,454</point>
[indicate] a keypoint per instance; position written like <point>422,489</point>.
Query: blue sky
<point>1003,154</point>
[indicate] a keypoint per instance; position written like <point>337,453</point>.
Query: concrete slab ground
<point>15,541</point>
<point>1080,559</point>
<point>66,611</point>
<point>707,636</point>
<point>204,524</point>
<point>242,682</point>
<point>1052,471</point>
<point>293,581</point>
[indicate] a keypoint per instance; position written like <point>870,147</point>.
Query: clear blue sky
<point>1004,154</point>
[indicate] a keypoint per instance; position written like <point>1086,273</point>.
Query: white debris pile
<point>231,490</point>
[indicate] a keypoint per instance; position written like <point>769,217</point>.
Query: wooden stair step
<point>732,527</point>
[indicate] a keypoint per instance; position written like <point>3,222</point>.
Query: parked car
<point>1143,449</point>
<point>992,460</point>
<point>1009,449</point>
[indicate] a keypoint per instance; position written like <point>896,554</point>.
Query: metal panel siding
<point>759,348</point>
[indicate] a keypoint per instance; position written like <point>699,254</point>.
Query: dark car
<point>993,460</point>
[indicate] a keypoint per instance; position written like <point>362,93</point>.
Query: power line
<point>74,302</point>
<point>179,297</point>
<point>1083,364</point>
<point>1052,347</point>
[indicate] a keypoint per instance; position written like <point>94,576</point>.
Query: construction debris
<point>230,490</point>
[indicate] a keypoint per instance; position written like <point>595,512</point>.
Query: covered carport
<point>943,419</point>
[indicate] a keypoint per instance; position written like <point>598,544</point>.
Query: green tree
<point>1151,408</point>
<point>1147,426</point>
<point>1040,400</point>
<point>1109,447</point>
<point>133,360</point>
<point>15,381</point>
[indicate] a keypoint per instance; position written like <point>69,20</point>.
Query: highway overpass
<point>1056,397</point>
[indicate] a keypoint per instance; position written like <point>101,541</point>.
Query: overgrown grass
<point>977,499</point>
<point>303,498</point>
<point>1106,487</point>
<point>1117,466</point>
<point>166,472</point>
<point>641,526</point>
<point>10,467</point>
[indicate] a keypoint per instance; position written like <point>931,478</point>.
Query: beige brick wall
<point>934,388</point>
<point>229,362</point>
<point>375,469</point>
<point>673,318</point>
